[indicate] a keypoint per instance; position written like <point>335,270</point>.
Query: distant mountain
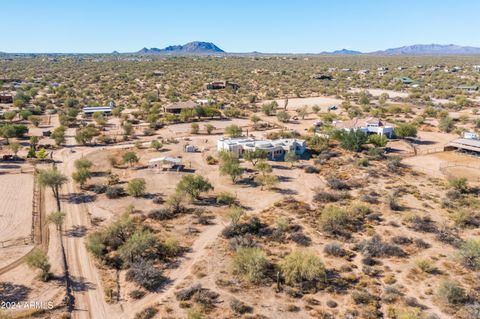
<point>195,47</point>
<point>346,52</point>
<point>430,49</point>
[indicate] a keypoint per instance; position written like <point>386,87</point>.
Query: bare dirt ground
<point>432,164</point>
<point>294,103</point>
<point>16,201</point>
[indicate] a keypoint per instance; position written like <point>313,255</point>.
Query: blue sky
<point>290,26</point>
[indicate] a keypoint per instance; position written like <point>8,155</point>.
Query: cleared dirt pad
<point>16,193</point>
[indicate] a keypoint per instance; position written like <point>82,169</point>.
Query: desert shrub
<point>211,160</point>
<point>335,250</point>
<point>302,265</point>
<point>311,169</point>
<point>464,218</point>
<point>326,197</point>
<point>114,192</point>
<point>205,297</point>
<point>136,187</point>
<point>137,294</point>
<point>392,201</point>
<point>161,214</point>
<point>242,241</point>
<point>376,247</point>
<point>147,313</point>
<point>251,263</point>
<point>141,243</point>
<point>171,247</point>
<point>362,297</point>
<point>99,189</point>
<point>38,259</point>
<point>394,164</point>
<point>145,274</point>
<point>338,221</point>
<point>187,293</point>
<point>158,200</point>
<point>423,224</point>
<point>226,198</point>
<point>420,243</point>
<point>425,265</point>
<point>300,238</point>
<point>401,240</point>
<point>448,235</point>
<point>362,162</point>
<point>469,254</point>
<point>451,292</point>
<point>337,184</point>
<point>369,199</point>
<point>239,307</point>
<point>376,153</point>
<point>453,194</point>
<point>459,184</point>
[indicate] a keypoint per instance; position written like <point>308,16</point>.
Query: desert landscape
<point>191,182</point>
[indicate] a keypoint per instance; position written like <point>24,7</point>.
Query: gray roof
<point>94,109</point>
<point>181,105</point>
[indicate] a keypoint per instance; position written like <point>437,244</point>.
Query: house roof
<point>465,143</point>
<point>94,109</point>
<point>173,160</point>
<point>359,123</point>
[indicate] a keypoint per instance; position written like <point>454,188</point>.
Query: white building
<point>105,110</point>
<point>166,163</point>
<point>470,135</point>
<point>369,125</point>
<point>275,149</point>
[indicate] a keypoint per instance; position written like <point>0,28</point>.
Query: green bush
<point>136,187</point>
<point>451,292</point>
<point>251,263</point>
<point>302,265</point>
<point>469,254</point>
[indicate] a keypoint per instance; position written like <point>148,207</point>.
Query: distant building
<point>176,108</point>
<point>363,72</point>
<point>220,85</point>
<point>275,149</point>
<point>166,163</point>
<point>476,68</point>
<point>158,73</point>
<point>368,125</point>
<point>105,110</point>
<point>471,146</point>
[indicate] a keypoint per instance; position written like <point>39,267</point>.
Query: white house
<point>368,125</point>
<point>275,149</point>
<point>105,110</point>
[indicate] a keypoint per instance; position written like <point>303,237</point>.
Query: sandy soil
<point>294,103</point>
<point>16,201</point>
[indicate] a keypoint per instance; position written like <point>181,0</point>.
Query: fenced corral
<point>469,168</point>
<point>19,202</point>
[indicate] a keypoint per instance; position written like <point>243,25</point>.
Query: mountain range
<point>206,48</point>
<point>196,47</point>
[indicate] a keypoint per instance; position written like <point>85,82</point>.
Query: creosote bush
<point>302,265</point>
<point>250,263</point>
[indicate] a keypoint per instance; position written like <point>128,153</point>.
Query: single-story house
<point>166,163</point>
<point>368,125</point>
<point>89,111</point>
<point>275,149</point>
<point>466,145</point>
<point>220,85</point>
<point>176,108</point>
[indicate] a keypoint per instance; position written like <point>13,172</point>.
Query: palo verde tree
<point>193,185</point>
<point>54,179</point>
